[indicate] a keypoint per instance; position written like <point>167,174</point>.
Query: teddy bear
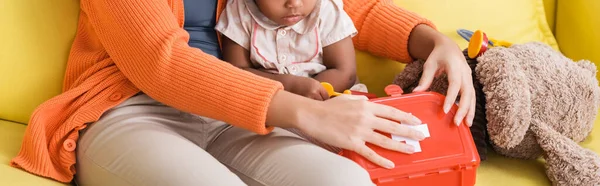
<point>531,102</point>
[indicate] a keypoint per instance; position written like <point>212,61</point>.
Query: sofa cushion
<point>516,21</point>
<point>34,44</point>
<point>500,170</point>
<point>526,22</point>
<point>11,135</point>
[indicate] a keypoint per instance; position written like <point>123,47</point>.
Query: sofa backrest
<point>516,21</point>
<point>578,28</point>
<point>35,38</point>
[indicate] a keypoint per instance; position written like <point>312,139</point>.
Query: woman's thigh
<point>143,148</point>
<point>283,158</point>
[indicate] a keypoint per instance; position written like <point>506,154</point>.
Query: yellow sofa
<point>35,37</point>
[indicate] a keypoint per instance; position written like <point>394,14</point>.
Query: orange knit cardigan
<point>127,46</point>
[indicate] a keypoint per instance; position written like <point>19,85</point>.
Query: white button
<point>283,32</point>
<point>69,145</point>
<point>294,69</point>
<point>282,57</point>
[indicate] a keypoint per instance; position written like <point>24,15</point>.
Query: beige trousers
<point>143,142</point>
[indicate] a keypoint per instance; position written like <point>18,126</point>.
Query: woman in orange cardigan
<point>142,84</point>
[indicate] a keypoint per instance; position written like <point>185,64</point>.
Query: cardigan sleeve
<point>383,27</point>
<point>148,45</point>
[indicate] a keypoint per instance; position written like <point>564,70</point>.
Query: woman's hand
<point>443,56</point>
<point>347,122</point>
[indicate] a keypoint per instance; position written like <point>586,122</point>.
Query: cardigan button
<point>69,145</point>
<point>115,96</point>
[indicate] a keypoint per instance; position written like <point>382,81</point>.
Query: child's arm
<point>240,57</point>
<point>340,61</point>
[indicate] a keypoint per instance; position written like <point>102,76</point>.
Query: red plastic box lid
<point>449,147</point>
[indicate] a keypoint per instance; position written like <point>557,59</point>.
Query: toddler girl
<point>297,42</point>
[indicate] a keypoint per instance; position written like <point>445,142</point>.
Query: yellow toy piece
<point>479,43</point>
<point>501,43</point>
<point>331,91</point>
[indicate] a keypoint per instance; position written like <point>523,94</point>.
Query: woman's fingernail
<point>410,149</point>
<point>447,108</point>
<point>415,119</point>
<point>389,164</point>
<point>471,121</point>
<point>457,122</point>
<point>420,136</point>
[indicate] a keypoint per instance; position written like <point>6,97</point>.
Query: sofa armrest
<point>578,29</point>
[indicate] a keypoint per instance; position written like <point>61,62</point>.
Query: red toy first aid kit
<point>447,156</point>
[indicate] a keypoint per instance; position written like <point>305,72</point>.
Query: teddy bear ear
<point>508,100</point>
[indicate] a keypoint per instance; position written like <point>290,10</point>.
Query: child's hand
<point>307,87</point>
